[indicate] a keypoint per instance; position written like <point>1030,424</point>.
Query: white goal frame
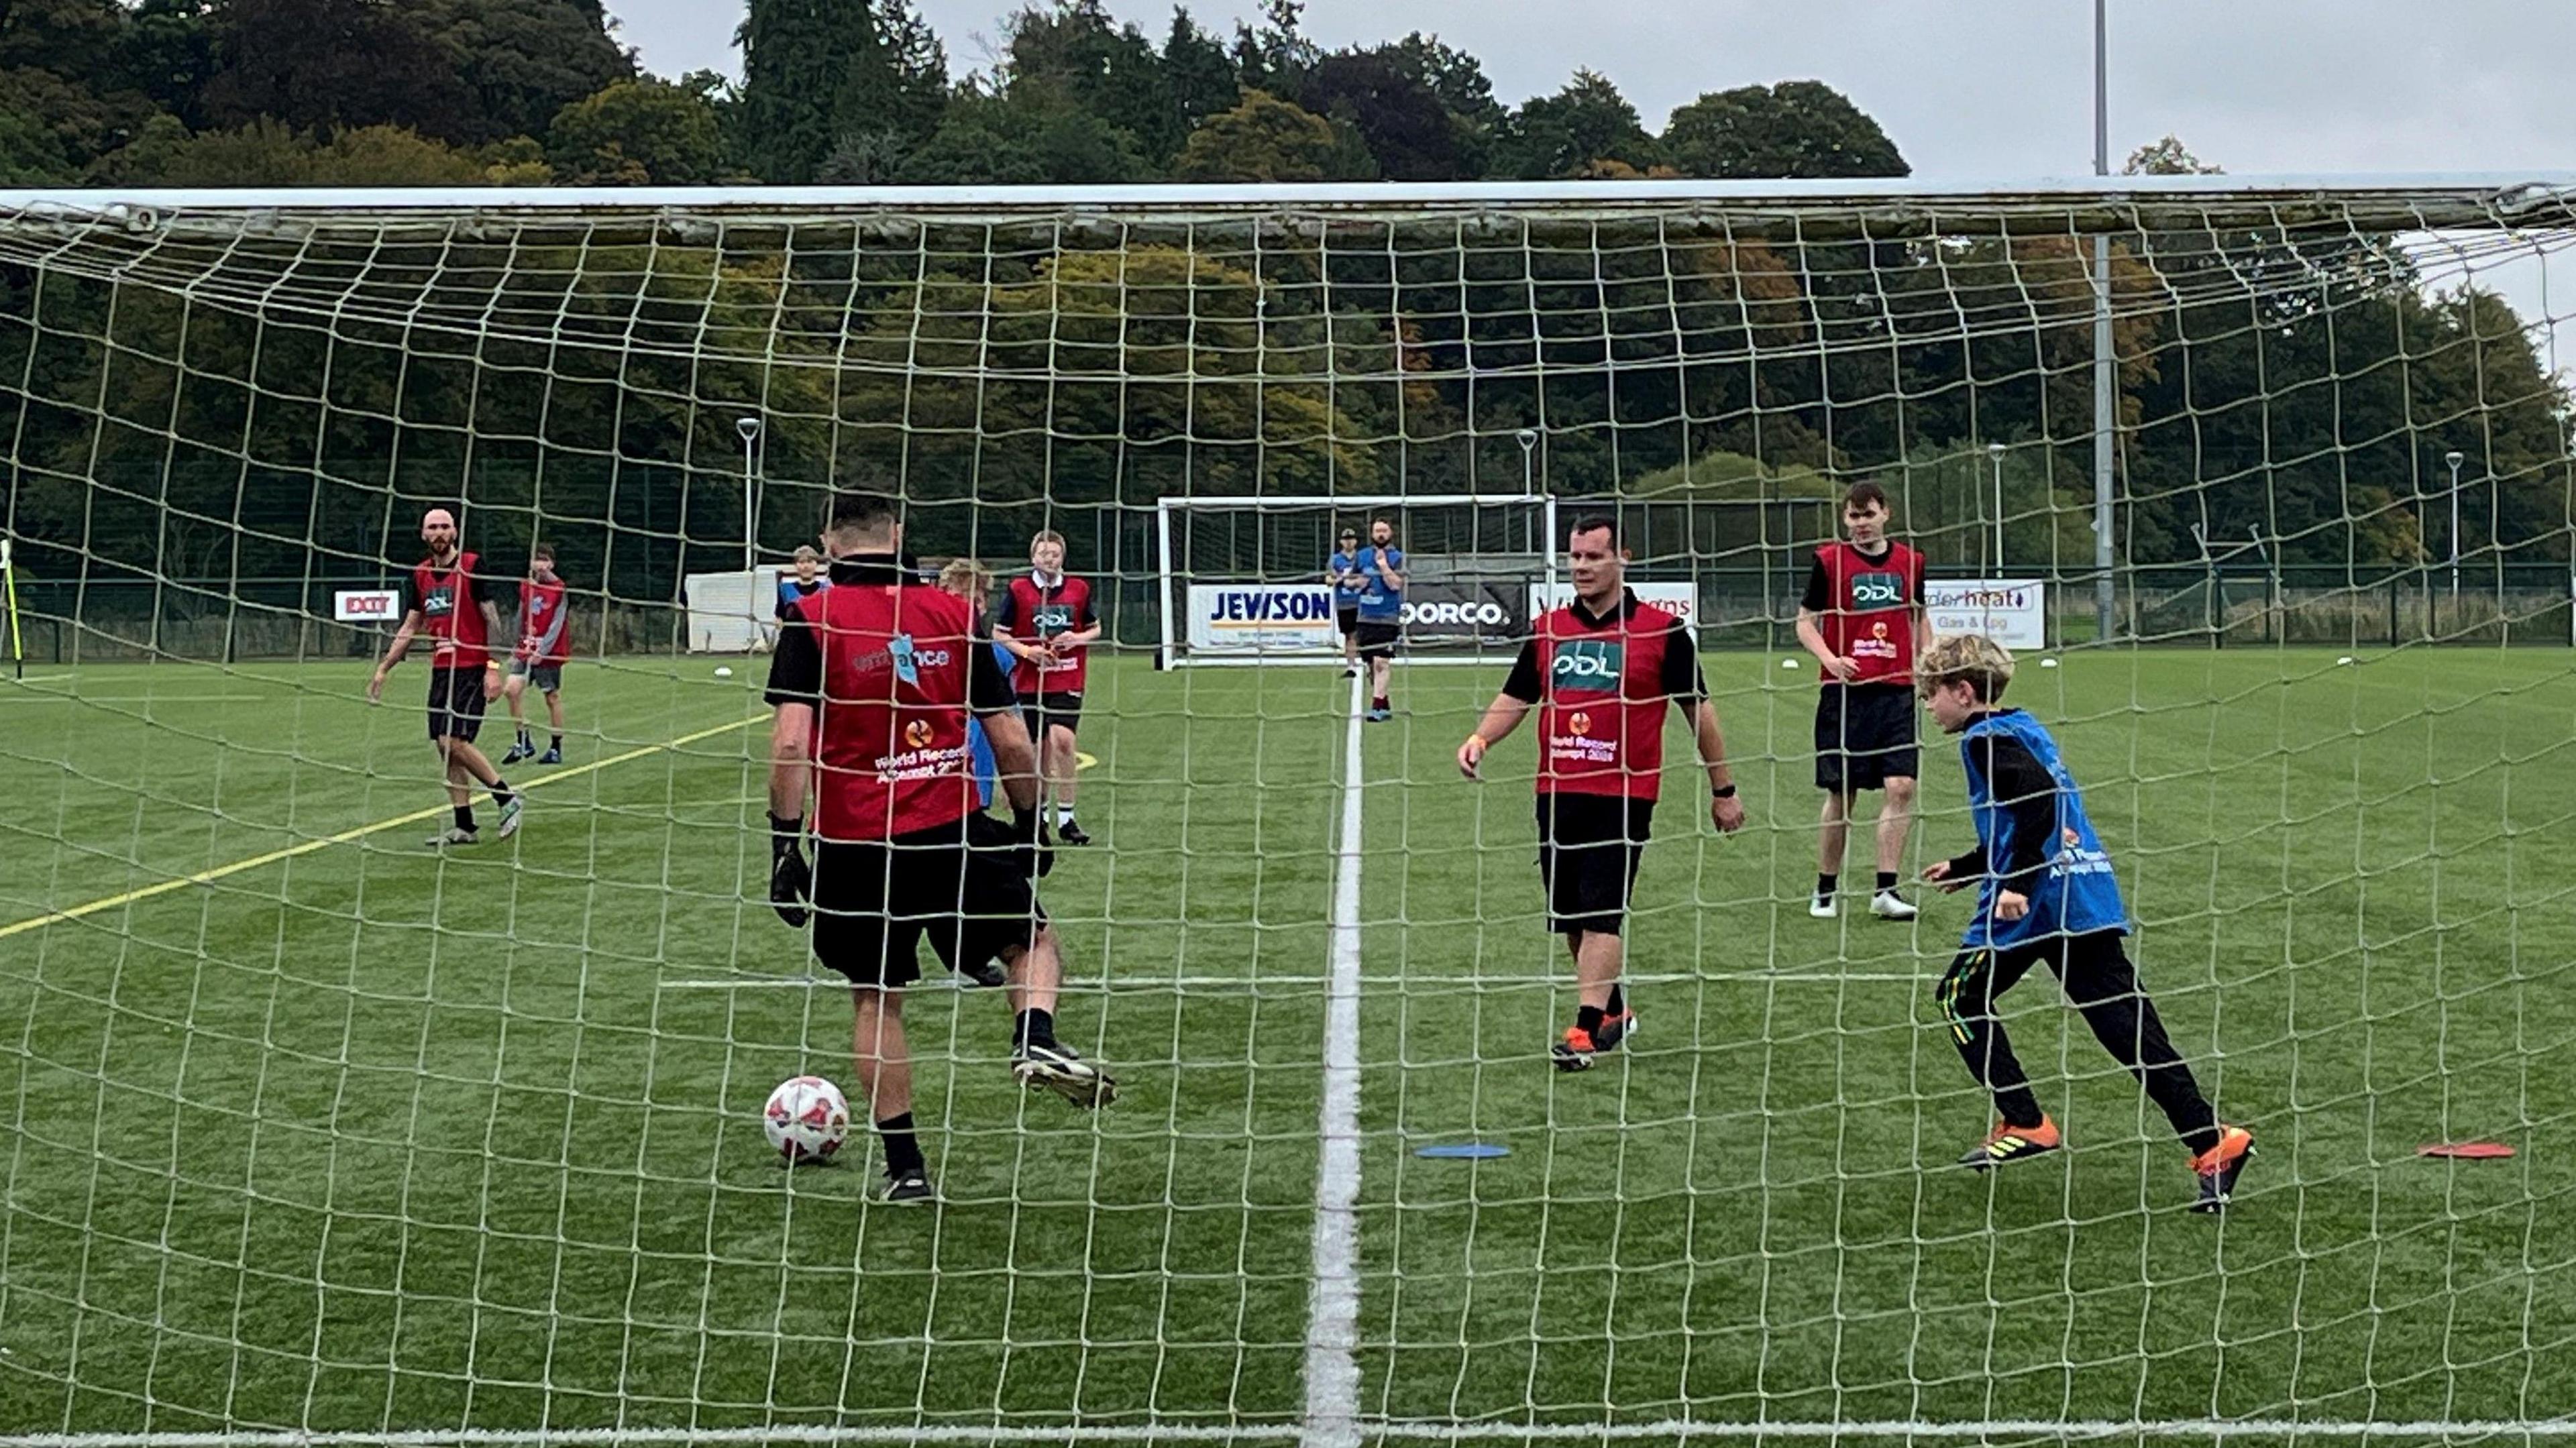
<point>1168,653</point>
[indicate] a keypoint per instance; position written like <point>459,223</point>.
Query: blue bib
<point>2077,893</point>
<point>1346,594</point>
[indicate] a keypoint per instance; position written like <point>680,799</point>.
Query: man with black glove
<point>873,681</point>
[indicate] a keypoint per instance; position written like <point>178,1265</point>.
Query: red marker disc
<point>2472,1150</point>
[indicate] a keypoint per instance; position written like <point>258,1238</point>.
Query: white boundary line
<point>1333,1315</point>
<point>1411,1430</point>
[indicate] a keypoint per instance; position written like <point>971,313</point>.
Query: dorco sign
<point>367,605</point>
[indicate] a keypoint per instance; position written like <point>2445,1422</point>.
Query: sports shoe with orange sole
<point>2219,1167</point>
<point>2009,1143</point>
<point>1576,1051</point>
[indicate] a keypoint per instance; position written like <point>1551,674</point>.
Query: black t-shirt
<point>2025,789</point>
<point>1819,596</point>
<point>796,665</point>
<point>1681,679</point>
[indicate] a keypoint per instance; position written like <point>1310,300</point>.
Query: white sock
<point>1063,815</point>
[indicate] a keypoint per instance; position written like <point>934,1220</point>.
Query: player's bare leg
<point>1381,670</point>
<point>1833,834</point>
<point>1037,1059</point>
<point>461,754</point>
<point>514,691</point>
<point>554,724</point>
<point>1350,655</point>
<point>883,1062</point>
<point>1062,764</point>
<point>1602,1018</point>
<point>1895,822</point>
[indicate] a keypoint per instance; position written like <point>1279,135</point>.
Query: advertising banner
<point>367,605</point>
<point>1458,612</point>
<point>1262,618</point>
<point>2011,611</point>
<point>1680,598</point>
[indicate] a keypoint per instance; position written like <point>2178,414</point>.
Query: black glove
<point>791,880</point>
<point>1037,848</point>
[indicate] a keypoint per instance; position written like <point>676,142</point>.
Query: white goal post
<point>1289,619</point>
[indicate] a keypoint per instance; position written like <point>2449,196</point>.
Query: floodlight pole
<point>2103,411</point>
<point>1995,453</point>
<point>2455,459</point>
<point>749,427</point>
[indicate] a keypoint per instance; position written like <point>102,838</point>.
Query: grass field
<point>365,1138</point>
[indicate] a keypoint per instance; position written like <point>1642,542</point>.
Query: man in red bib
<point>1601,672</point>
<point>1046,621</point>
<point>1862,617</point>
<point>873,681</point>
<point>451,599</point>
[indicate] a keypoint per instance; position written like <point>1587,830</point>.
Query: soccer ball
<point>806,1118</point>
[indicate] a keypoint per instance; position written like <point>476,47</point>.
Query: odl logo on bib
<point>1591,666</point>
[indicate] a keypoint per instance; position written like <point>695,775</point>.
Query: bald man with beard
<point>450,599</point>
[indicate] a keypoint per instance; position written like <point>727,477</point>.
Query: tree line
<point>2300,384</point>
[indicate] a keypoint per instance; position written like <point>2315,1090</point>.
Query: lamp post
<point>1995,455</point>
<point>2455,458</point>
<point>749,427</point>
<point>2104,600</point>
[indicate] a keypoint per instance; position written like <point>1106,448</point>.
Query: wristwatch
<point>1722,792</point>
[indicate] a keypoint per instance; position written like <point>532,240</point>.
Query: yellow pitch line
<point>208,877</point>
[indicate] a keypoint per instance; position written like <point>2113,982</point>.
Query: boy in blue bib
<point>2046,895</point>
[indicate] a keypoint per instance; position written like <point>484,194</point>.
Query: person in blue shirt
<point>803,584</point>
<point>2046,895</point>
<point>973,582</point>
<point>1381,613</point>
<point>1342,575</point>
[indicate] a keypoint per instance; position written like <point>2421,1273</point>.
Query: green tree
<point>66,74</point>
<point>2167,157</point>
<point>29,153</point>
<point>1262,139</point>
<point>1079,56</point>
<point>267,153</point>
<point>1798,128</point>
<point>636,133</point>
<point>1197,70</point>
<point>1565,134</point>
<point>1023,139</point>
<point>316,64</point>
<point>1276,54</point>
<point>525,60</point>
<point>1398,116</point>
<point>817,71</point>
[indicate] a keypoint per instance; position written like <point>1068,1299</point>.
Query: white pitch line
<point>1333,1315</point>
<point>41,698</point>
<point>1413,1430</point>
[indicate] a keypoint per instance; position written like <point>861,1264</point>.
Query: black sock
<point>1618,1002</point>
<point>1587,1019</point>
<point>1886,880</point>
<point>558,741</point>
<point>523,736</point>
<point>902,1148</point>
<point>2197,1142</point>
<point>465,816</point>
<point>502,794</point>
<point>1034,1028</point>
<point>1825,886</point>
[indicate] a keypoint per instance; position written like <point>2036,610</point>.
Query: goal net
<point>312,1134</point>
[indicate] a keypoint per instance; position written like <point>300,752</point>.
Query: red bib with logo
<point>1870,616</point>
<point>1602,701</point>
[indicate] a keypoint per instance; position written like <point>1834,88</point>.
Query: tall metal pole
<point>749,427</point>
<point>1995,451</point>
<point>2455,459</point>
<point>2103,381</point>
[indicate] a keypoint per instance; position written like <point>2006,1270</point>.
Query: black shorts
<point>548,678</point>
<point>1376,639</point>
<point>1347,620</point>
<point>1040,710</point>
<point>1864,736</point>
<point>456,704</point>
<point>1588,849</point>
<point>960,885</point>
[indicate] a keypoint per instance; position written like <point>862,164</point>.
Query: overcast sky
<point>1970,89</point>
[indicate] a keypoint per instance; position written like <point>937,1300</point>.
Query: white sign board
<point>730,613</point>
<point>367,605</point>
<point>1680,598</point>
<point>1263,618</point>
<point>2011,611</point>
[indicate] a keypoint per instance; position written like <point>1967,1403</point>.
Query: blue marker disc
<point>1469,1150</point>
